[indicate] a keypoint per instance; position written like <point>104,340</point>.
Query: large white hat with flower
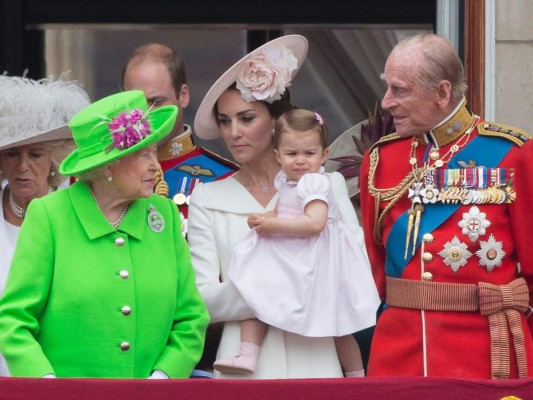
<point>33,111</point>
<point>262,75</point>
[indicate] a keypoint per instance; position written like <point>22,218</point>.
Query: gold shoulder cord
<point>391,194</point>
<point>161,186</point>
<point>416,175</point>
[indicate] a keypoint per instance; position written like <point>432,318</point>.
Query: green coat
<point>77,303</point>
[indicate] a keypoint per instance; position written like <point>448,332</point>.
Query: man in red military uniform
<point>158,70</point>
<point>446,216</point>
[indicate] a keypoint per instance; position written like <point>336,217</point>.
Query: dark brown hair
<point>275,109</point>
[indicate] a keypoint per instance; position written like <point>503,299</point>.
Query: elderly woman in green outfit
<point>94,290</point>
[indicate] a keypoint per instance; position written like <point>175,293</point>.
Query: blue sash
<point>208,169</point>
<point>488,152</point>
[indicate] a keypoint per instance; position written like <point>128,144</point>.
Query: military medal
<point>477,196</point>
<point>478,185</point>
<point>429,194</point>
<point>455,254</point>
<point>155,219</point>
<point>474,223</point>
<point>191,187</point>
<point>414,192</point>
<point>180,198</point>
<point>490,253</point>
<point>429,184</point>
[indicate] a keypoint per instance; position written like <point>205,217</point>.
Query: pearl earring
<point>110,178</point>
<point>52,173</point>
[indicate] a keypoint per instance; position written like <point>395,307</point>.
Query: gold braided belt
<point>501,304</point>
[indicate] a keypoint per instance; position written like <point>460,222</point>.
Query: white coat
<point>218,213</point>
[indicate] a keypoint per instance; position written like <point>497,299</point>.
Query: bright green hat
<point>114,127</point>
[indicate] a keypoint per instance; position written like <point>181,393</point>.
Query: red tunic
<point>184,165</point>
<point>444,343</point>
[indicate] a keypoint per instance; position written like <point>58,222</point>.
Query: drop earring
<point>110,178</point>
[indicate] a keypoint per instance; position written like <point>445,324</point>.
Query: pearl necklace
<point>19,211</point>
<point>116,223</point>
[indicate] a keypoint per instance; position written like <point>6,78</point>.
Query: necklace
<point>116,223</point>
<point>19,211</point>
<point>247,183</point>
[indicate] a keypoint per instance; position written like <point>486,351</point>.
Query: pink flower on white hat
<point>266,76</point>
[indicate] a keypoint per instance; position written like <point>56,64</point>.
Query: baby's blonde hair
<point>300,120</point>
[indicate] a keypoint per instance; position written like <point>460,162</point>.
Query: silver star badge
<point>490,253</point>
<point>455,254</point>
<point>474,223</point>
<point>429,194</point>
<point>414,192</point>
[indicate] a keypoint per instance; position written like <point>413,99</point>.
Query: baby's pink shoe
<point>243,363</point>
<point>355,374</point>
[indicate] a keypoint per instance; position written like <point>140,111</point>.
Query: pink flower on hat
<point>266,76</point>
<point>129,129</point>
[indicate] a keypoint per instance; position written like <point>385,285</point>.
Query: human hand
<point>266,226</point>
<point>255,220</point>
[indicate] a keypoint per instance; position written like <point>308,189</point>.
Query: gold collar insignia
<point>177,147</point>
<point>452,128</point>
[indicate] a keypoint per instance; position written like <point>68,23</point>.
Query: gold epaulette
<point>515,135</point>
<point>385,139</point>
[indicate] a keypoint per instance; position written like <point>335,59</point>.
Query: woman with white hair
<point>34,139</point>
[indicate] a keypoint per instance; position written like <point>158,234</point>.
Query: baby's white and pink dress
<point>317,286</point>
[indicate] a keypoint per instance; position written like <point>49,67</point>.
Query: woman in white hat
<point>242,107</point>
<point>34,139</point>
<point>101,284</point>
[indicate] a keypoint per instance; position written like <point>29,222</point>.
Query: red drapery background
<point>402,388</point>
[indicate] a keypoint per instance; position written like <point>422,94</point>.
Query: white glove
<point>158,374</point>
